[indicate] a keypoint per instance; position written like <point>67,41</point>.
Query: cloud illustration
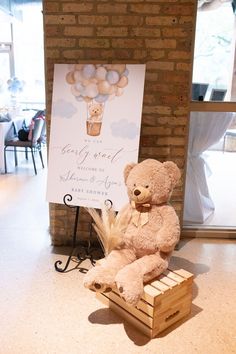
<point>64,109</point>
<point>124,129</point>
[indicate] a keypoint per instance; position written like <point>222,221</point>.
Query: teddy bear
<point>95,112</point>
<point>147,230</point>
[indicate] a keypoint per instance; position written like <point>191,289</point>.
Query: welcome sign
<point>95,130</point>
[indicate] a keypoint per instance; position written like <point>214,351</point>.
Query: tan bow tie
<point>140,218</point>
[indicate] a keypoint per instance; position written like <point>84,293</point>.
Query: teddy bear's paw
<point>130,286</point>
<point>99,279</point>
<point>130,299</point>
<point>100,288</point>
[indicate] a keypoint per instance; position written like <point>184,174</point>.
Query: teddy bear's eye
<point>147,186</point>
<point>134,184</point>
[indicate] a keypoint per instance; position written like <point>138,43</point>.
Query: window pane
<point>4,76</point>
<point>29,52</point>
<point>5,31</point>
<point>214,52</point>
<point>210,189</point>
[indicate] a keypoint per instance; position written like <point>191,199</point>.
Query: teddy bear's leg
<point>158,270</point>
<point>129,280</point>
<point>101,278</point>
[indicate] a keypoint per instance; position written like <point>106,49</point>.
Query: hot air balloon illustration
<point>95,84</point>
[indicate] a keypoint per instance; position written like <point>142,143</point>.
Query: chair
<point>34,145</point>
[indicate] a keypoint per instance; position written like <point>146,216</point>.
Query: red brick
<point>160,65</point>
<point>179,55</point>
<point>186,20</point>
<point>61,42</point>
<point>51,7</point>
<point>93,20</point>
<point>112,8</point>
<point>127,20</point>
<point>127,43</point>
<point>170,140</point>
<point>59,19</point>
<point>161,20</point>
<point>140,53</point>
<point>53,53</point>
<point>145,8</point>
<point>77,7</point>
<point>94,43</point>
<point>157,109</point>
<point>183,66</point>
<point>75,54</point>
<point>175,32</point>
<point>79,31</point>
<point>145,32</point>
<point>176,9</point>
<point>53,30</point>
<point>161,43</point>
<point>157,54</point>
<point>156,131</point>
<point>155,152</point>
<point>172,120</point>
<point>112,31</point>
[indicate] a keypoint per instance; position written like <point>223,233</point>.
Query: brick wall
<point>157,33</point>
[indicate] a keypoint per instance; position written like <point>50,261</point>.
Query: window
<point>6,70</point>
<point>22,54</point>
<point>214,52</point>
<point>210,173</point>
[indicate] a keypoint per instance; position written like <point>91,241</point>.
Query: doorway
<point>211,160</point>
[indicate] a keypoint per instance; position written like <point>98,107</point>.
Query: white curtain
<point>206,129</point>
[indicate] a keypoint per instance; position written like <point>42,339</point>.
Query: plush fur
<point>147,232</point>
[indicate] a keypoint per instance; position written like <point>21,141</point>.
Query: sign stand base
<point>84,251</point>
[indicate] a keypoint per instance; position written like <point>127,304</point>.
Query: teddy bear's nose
<point>136,192</point>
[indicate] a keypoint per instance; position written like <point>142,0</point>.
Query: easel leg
<point>85,252</point>
<point>62,270</point>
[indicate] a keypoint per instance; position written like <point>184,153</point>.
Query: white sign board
<point>95,131</point>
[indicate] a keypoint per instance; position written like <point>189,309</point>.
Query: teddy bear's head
<point>95,109</point>
<point>151,181</point>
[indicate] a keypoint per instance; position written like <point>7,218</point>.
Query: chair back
<point>43,132</point>
<point>37,131</point>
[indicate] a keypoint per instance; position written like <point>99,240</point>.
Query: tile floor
<point>45,312</point>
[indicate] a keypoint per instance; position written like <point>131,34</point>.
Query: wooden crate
<point>165,301</point>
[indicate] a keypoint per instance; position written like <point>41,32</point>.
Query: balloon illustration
<point>15,85</point>
<point>95,84</point>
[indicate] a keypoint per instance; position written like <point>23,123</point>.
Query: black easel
<point>85,251</point>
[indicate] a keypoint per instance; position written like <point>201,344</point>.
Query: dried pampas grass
<point>109,228</point>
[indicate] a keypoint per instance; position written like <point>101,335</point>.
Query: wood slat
<point>150,293</point>
<point>174,276</point>
<point>185,310</point>
<point>173,306</point>
<point>167,281</point>
<point>145,307</point>
<point>142,316</point>
<point>160,286</point>
<point>142,304</point>
<point>126,315</point>
<point>174,295</point>
<point>183,273</point>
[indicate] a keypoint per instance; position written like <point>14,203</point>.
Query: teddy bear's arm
<point>169,233</point>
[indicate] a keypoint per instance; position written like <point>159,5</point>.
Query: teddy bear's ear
<point>173,172</point>
<point>127,170</point>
